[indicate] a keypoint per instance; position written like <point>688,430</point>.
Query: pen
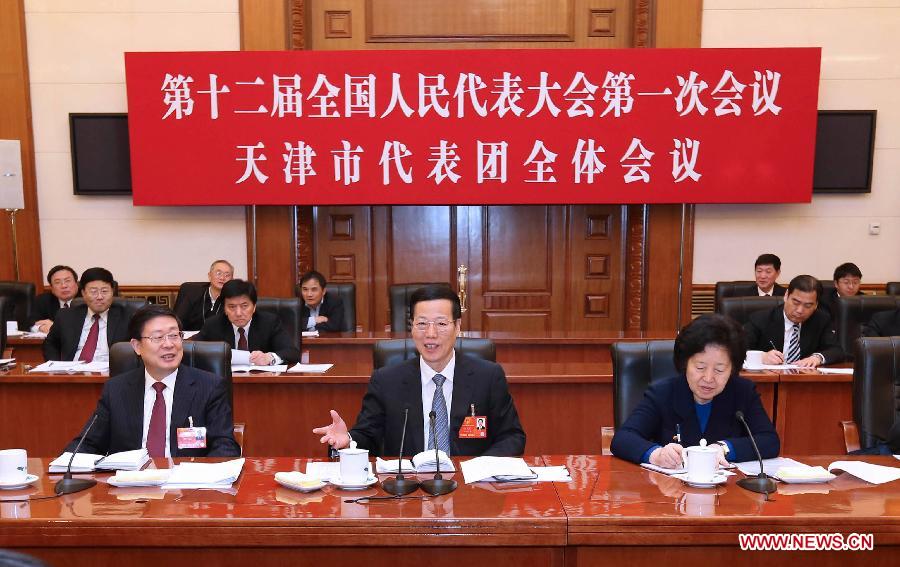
<point>678,433</point>
<point>771,342</point>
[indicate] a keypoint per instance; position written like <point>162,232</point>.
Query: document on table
<point>771,466</point>
<point>259,368</point>
<point>875,474</point>
<point>835,370</point>
<point>309,334</point>
<point>313,368</point>
<point>71,366</point>
<point>496,468</point>
<point>205,475</point>
<point>771,367</point>
<point>35,335</point>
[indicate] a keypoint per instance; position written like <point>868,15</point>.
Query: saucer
<point>284,480</point>
<point>717,479</point>
<point>9,485</point>
<point>340,483</point>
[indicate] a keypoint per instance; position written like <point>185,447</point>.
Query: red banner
<point>473,127</point>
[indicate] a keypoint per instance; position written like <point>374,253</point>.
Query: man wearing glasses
<point>85,332</point>
<point>146,407</point>
<point>452,385</point>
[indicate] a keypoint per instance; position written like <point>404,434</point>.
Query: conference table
<point>612,512</point>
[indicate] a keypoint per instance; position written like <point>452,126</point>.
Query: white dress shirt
<point>102,352</point>
<point>150,398</point>
<point>762,293</point>
<point>428,388</point>
<point>313,313</point>
<point>788,331</point>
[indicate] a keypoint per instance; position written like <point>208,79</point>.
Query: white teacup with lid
<point>701,462</point>
<point>354,465</point>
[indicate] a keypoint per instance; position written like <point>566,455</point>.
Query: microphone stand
<point>68,485</point>
<point>400,486</point>
<point>761,483</point>
<point>438,485</point>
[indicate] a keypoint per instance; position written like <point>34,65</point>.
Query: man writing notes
<point>450,384</point>
<point>255,337</point>
<point>795,332</point>
<point>63,288</point>
<point>321,311</point>
<point>146,406</point>
<point>195,309</point>
<point>85,332</point>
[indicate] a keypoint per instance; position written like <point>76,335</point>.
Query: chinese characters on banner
<point>473,127</point>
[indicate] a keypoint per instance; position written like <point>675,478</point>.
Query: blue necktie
<point>442,421</point>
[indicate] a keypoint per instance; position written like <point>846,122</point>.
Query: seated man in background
<point>144,407</point>
<point>700,403</point>
<point>321,311</point>
<point>451,385</point>
<point>766,269</point>
<point>847,277</point>
<point>63,288</point>
<point>255,337</point>
<point>883,324</point>
<point>85,332</point>
<point>196,309</point>
<point>795,332</point>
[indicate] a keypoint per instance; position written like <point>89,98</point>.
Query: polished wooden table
<point>621,514</point>
<point>259,523</point>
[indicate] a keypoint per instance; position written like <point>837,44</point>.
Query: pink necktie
<point>90,343</point>
<point>156,433</point>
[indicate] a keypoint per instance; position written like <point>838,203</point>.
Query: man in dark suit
<point>85,332</point>
<point>795,332</point>
<point>321,311</point>
<point>200,304</point>
<point>766,270</point>
<point>847,278</point>
<point>883,324</point>
<point>145,407</point>
<point>63,288</point>
<point>255,337</point>
<point>452,386</point>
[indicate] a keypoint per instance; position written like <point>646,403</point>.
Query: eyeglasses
<point>175,338</point>
<point>94,292</point>
<point>442,326</point>
<point>221,274</point>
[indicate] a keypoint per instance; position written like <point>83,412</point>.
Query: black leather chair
<point>827,287</point>
<point>347,293</point>
<point>636,365</point>
<point>399,301</point>
<point>288,310</point>
<point>187,291</point>
<point>854,312</point>
<point>2,325</point>
<point>20,299</point>
<point>395,351</point>
<point>876,389</point>
<point>736,288</point>
<point>740,308</point>
<point>892,288</point>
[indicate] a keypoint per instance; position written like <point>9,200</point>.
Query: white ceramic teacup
<point>701,462</point>
<point>354,465</point>
<point>754,358</point>
<point>13,465</point>
<point>12,326</point>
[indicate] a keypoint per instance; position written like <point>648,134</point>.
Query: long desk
<point>611,513</point>
<point>562,406</point>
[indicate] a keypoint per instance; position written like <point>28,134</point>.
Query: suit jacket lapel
<point>684,409</point>
<point>134,407</point>
<point>412,389</point>
<point>113,320</point>
<point>775,329</point>
<point>182,400</point>
<point>70,346</point>
<point>722,414</point>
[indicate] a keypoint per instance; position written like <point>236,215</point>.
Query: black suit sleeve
<point>281,344</point>
<point>335,315</point>
<point>761,427</point>
<point>368,431</point>
<point>510,437</point>
<point>828,345</point>
<point>636,435</point>
<point>220,424</point>
<point>52,346</point>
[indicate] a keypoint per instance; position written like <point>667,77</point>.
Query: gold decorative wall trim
<point>644,23</point>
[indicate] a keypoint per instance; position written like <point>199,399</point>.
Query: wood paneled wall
<point>530,267</point>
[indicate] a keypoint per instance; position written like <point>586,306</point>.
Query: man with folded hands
<point>146,406</point>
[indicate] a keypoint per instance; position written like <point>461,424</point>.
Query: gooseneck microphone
<point>438,485</point>
<point>68,485</point>
<point>760,483</point>
<point>400,486</point>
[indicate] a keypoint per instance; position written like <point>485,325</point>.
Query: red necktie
<point>242,339</point>
<point>90,343</point>
<point>156,433</point>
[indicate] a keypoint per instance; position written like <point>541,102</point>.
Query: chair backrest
<point>736,288</point>
<point>827,287</point>
<point>636,365</point>
<point>892,288</point>
<point>395,351</point>
<point>876,388</point>
<point>347,292</point>
<point>740,308</point>
<point>20,299</point>
<point>2,325</point>
<point>288,311</point>
<point>188,290</point>
<point>854,312</point>
<point>399,301</point>
<point>131,304</point>
<point>211,356</point>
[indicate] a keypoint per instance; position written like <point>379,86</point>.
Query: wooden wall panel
<point>597,277</point>
<point>517,249</point>
<point>15,124</point>
<point>343,251</point>
<point>421,241</point>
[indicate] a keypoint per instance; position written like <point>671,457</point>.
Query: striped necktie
<point>441,420</point>
<point>793,352</point>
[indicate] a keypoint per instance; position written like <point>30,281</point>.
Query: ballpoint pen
<point>678,433</point>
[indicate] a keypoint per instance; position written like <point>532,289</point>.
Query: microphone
<point>400,486</point>
<point>760,483</point>
<point>438,485</point>
<point>68,485</point>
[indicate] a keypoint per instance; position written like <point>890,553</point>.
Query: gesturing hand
<point>334,434</point>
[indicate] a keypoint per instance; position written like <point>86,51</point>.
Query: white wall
<point>76,64</point>
<point>860,42</point>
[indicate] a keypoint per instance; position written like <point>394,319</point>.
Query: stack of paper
<point>552,474</point>
<point>5,361</point>
<point>875,474</point>
<point>316,368</point>
<point>771,466</point>
<point>71,366</point>
<point>35,335</point>
<point>87,462</point>
<point>205,475</point>
<point>309,334</point>
<point>425,462</point>
<point>389,466</point>
<point>496,469</point>
<point>258,368</point>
